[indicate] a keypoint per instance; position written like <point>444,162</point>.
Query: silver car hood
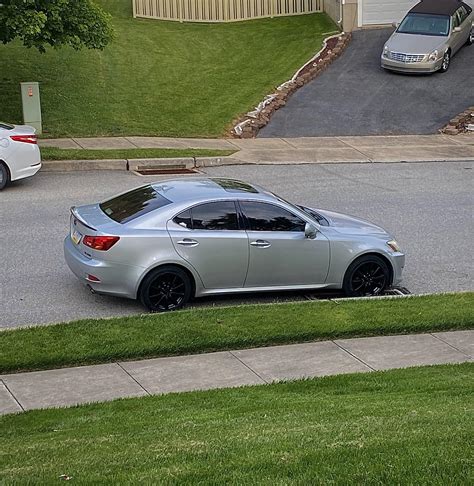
<point>415,44</point>
<point>345,224</point>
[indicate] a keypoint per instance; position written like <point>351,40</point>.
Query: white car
<point>19,153</point>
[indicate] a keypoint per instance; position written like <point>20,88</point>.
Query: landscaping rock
<point>332,49</point>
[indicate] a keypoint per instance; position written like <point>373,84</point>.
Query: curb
<point>135,165</point>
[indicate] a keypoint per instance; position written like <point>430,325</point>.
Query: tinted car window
<point>215,216</point>
<point>131,205</point>
<point>267,217</point>
<point>184,219</point>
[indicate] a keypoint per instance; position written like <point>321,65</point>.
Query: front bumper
<point>411,67</point>
<point>115,278</point>
<point>398,263</point>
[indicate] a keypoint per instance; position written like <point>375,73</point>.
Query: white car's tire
<point>4,176</point>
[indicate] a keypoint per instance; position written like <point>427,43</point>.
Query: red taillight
<point>25,138</point>
<point>102,243</point>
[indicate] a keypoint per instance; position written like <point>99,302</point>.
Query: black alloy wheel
<point>446,62</point>
<point>366,276</point>
<point>165,289</point>
<point>4,176</point>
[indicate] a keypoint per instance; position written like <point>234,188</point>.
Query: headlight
<point>386,51</point>
<point>433,56</point>
<point>393,245</point>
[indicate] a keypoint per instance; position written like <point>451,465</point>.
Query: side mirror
<point>310,231</point>
<point>457,29</point>
<point>395,24</point>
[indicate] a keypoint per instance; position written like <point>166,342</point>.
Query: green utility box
<point>30,99</point>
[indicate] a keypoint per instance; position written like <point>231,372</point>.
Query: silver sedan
<point>168,242</point>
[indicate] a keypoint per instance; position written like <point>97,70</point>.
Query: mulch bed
<point>249,125</point>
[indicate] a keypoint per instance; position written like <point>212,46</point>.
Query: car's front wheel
<point>470,39</point>
<point>366,276</point>
<point>446,62</point>
<point>165,289</point>
<point>4,176</point>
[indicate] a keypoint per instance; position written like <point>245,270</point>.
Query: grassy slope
<point>53,153</point>
<point>411,426</point>
<point>209,329</point>
<point>160,78</point>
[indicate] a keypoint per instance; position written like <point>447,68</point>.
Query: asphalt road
<point>428,206</point>
<point>355,96</point>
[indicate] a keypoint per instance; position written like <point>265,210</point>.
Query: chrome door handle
<point>188,242</point>
<point>261,244</point>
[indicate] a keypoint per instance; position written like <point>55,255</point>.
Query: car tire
<point>4,176</point>
<point>368,275</point>
<point>446,62</point>
<point>165,289</point>
<point>470,39</point>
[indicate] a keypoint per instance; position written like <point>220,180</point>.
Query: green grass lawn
<point>210,329</point>
<point>412,426</point>
<point>53,153</point>
<point>160,78</point>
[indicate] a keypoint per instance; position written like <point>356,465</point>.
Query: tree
<point>56,23</point>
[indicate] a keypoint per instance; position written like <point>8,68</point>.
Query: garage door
<point>376,12</point>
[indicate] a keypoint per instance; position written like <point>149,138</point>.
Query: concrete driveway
<point>356,97</point>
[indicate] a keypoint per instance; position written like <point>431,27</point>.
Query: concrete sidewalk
<point>70,386</point>
<point>407,148</point>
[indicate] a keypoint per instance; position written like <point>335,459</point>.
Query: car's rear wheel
<point>446,62</point>
<point>368,275</point>
<point>165,289</point>
<point>470,39</point>
<point>4,176</point>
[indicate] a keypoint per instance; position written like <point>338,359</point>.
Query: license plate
<point>76,237</point>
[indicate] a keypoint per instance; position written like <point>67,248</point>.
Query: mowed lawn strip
<point>412,426</point>
<point>160,78</point>
<point>209,329</point>
<point>53,153</point>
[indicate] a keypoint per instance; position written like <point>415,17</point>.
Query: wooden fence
<point>222,10</point>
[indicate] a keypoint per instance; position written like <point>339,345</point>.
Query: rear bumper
<point>413,67</point>
<point>26,172</point>
<point>115,279</point>
<point>24,162</point>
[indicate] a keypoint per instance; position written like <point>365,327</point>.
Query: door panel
<point>287,258</point>
<point>220,256</point>
<point>280,254</point>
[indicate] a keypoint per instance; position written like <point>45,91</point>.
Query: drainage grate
<point>165,171</point>
<point>338,294</point>
<point>397,291</point>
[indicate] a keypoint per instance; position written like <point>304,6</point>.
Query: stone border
<point>249,125</point>
<point>459,123</point>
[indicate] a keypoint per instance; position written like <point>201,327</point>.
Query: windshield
<point>425,24</point>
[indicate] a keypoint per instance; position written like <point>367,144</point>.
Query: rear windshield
<point>133,204</point>
<point>6,126</point>
<point>425,24</point>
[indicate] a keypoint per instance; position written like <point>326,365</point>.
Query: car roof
<point>437,7</point>
<point>205,188</point>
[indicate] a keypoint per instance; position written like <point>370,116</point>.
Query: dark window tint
<point>267,217</point>
<point>6,126</point>
<point>133,204</point>
<point>215,216</point>
<point>184,219</point>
